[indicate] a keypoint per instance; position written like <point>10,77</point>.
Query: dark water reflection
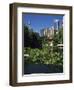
<point>42,68</point>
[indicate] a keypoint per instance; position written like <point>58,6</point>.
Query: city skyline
<point>40,21</point>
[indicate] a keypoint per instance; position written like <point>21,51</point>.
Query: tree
<point>31,39</point>
<point>26,36</point>
<point>60,36</point>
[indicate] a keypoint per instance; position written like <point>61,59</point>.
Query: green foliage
<point>43,56</point>
<point>31,39</point>
<point>46,54</point>
<point>58,37</point>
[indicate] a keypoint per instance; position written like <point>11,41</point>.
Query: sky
<point>40,21</point>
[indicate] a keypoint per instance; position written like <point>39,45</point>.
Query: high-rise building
<point>48,32</point>
<point>29,24</point>
<point>57,24</point>
<point>56,21</point>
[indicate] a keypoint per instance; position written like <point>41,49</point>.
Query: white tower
<point>29,24</point>
<point>56,24</point>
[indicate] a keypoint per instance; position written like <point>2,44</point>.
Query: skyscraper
<point>48,32</point>
<point>57,24</point>
<point>29,24</point>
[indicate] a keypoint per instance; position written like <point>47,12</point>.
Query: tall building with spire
<point>29,24</point>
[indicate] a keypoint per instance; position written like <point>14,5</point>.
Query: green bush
<point>43,56</point>
<point>47,54</point>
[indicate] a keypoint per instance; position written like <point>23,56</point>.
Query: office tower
<point>48,32</point>
<point>58,24</point>
<point>29,24</point>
